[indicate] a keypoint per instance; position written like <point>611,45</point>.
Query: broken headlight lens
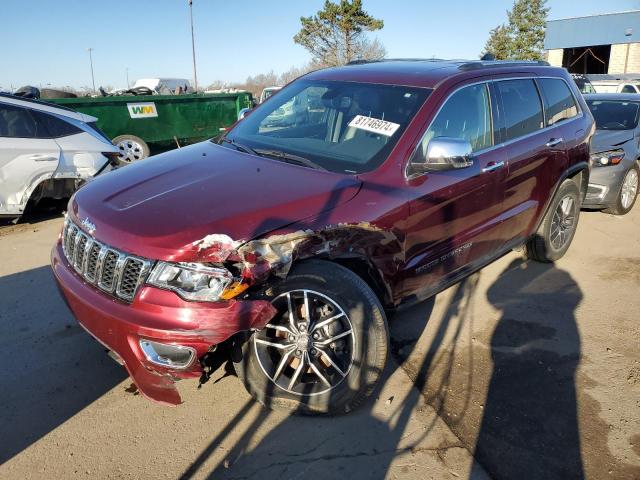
<point>192,281</point>
<point>613,157</point>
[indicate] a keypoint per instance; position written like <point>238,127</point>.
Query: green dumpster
<point>138,122</point>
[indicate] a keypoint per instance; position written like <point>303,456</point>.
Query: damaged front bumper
<point>156,318</point>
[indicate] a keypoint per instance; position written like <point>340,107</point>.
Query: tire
<point>132,148</point>
<point>627,194</point>
<point>554,236</point>
<point>350,364</point>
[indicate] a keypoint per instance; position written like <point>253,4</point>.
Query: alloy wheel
<point>563,222</point>
<point>130,151</point>
<point>629,189</point>
<point>309,347</point>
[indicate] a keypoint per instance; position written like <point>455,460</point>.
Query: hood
<point>604,140</point>
<point>158,208</point>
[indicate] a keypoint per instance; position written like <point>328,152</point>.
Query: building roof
<point>606,29</point>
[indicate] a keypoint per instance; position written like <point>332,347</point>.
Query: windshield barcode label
<point>374,125</point>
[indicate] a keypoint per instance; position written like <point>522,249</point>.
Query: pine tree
<point>337,34</point>
<point>527,20</point>
<point>523,37</point>
<point>499,43</point>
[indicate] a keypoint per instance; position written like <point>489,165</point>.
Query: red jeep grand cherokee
<point>351,191</point>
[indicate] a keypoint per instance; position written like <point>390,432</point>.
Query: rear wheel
<point>628,193</point>
<point>132,148</point>
<point>554,236</point>
<point>324,350</point>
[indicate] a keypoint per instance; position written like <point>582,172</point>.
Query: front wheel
<point>326,347</point>
<point>554,236</point>
<point>628,193</point>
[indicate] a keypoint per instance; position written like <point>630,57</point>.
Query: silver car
<point>613,183</point>
<point>46,151</point>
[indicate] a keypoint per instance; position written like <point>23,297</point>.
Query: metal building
<point>608,43</point>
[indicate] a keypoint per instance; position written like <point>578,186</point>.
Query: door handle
<point>554,141</point>
<point>493,166</point>
<point>43,158</point>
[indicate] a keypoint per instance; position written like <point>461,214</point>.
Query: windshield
<point>340,126</point>
<point>614,114</point>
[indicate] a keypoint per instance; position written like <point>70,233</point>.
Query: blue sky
<point>45,41</point>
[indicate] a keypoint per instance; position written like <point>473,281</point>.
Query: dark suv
<point>351,191</point>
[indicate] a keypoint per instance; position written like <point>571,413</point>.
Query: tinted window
<point>16,122</point>
<point>614,114</point>
<point>341,126</point>
<point>559,102</point>
<point>521,105</point>
<point>466,115</point>
<point>628,89</point>
<point>54,126</point>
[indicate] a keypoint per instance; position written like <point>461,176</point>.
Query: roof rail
<point>365,61</point>
<point>36,101</point>
<point>505,63</point>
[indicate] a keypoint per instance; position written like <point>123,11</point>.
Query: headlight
<point>192,281</point>
<point>613,157</point>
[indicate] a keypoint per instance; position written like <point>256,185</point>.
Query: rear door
<point>536,155</point>
<point>27,157</point>
<point>454,217</point>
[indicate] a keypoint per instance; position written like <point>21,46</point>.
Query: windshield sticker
<point>374,125</point>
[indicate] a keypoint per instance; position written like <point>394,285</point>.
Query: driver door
<point>455,214</point>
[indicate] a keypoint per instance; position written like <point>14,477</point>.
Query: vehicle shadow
<point>51,369</point>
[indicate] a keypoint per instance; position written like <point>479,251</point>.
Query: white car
<point>46,151</point>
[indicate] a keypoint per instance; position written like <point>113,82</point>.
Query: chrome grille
<point>111,270</point>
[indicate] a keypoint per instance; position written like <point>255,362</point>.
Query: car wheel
<point>132,148</point>
<point>628,193</point>
<point>326,347</point>
<point>554,236</point>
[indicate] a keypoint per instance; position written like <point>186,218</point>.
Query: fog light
<point>171,356</point>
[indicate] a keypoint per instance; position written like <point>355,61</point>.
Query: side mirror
<point>446,153</point>
<point>243,113</point>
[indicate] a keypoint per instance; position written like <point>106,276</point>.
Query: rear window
<point>559,102</point>
<point>521,107</point>
<point>17,122</point>
<point>55,126</point>
<point>614,114</point>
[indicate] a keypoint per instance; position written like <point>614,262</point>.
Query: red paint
<point>412,234</point>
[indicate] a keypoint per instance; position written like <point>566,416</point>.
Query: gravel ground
<point>532,369</point>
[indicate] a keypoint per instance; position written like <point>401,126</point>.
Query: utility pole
<point>193,47</point>
<point>93,82</point>
<point>127,77</point>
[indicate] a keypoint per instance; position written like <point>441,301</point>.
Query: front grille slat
<point>111,270</point>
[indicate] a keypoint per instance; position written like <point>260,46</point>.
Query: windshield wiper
<point>289,158</point>
<point>239,146</point>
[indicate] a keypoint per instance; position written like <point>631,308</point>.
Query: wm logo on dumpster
<point>142,110</point>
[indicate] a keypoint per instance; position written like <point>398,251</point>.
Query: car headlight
<point>604,159</point>
<point>192,281</point>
